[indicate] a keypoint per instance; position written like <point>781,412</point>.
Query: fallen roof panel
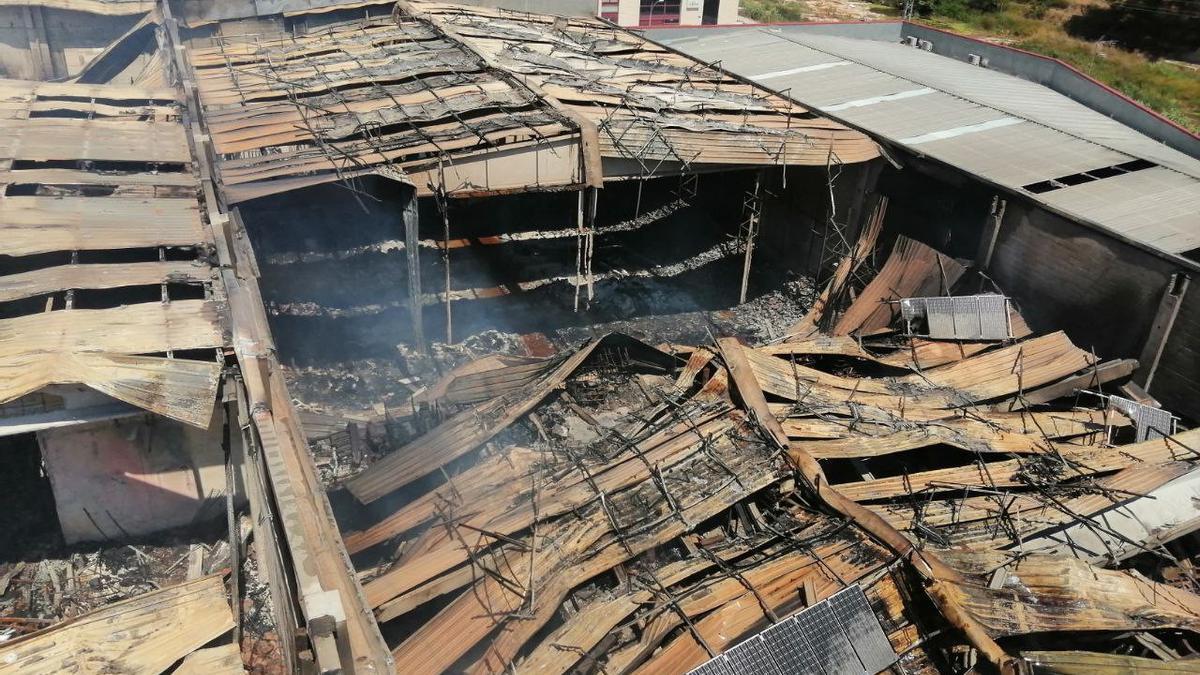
<point>647,104</point>
<point>59,212</point>
<point>508,536</point>
<point>146,633</point>
<point>102,139</point>
<point>180,389</point>
<point>104,7</point>
<point>144,328</point>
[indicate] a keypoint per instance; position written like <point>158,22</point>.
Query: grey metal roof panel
<point>1007,130</point>
<point>912,118</point>
<point>1158,206</point>
<point>1003,92</point>
<point>1021,154</point>
<point>765,57</point>
<point>769,60</point>
<point>837,86</point>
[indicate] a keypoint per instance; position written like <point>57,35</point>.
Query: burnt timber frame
<point>312,573</point>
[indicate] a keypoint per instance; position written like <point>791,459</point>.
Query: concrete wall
<point>727,12</point>
<point>795,215</point>
<point>1104,293</point>
<point>629,12</point>
<point>129,478</point>
<point>691,13</point>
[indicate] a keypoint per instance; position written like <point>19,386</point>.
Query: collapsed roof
<point>113,173</point>
<point>623,507</point>
<point>662,506</point>
<point>474,102</point>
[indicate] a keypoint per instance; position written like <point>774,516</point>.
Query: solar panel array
<point>968,317</point>
<point>838,636</point>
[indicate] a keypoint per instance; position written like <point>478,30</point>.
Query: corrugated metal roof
<point>1007,130</point>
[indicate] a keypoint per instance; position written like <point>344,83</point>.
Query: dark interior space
<point>667,265</point>
<point>30,524</point>
<point>936,207</point>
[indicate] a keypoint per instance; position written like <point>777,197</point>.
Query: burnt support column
<point>991,232</point>
<point>39,44</point>
<point>752,208</point>
<point>1160,330</point>
<point>856,215</point>
<point>585,243</point>
<point>444,210</point>
<point>412,247</point>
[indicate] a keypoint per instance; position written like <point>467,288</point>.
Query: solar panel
<point>751,658</point>
<point>861,626</point>
<point>969,317</point>
<point>717,666</point>
<point>792,653</point>
<point>820,627</point>
<point>1148,421</point>
<point>838,636</point>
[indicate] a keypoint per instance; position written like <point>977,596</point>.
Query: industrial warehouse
<point>418,337</point>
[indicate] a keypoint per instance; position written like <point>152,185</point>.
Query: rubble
<point>631,468</point>
<point>648,425</point>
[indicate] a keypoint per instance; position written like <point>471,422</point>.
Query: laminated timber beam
<point>342,635</point>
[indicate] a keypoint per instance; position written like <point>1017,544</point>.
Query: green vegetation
<point>1170,90</point>
<point>1038,26</point>
<point>773,11</point>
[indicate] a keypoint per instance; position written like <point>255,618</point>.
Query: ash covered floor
<point>666,269</point>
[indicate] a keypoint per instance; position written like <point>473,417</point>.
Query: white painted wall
<point>132,477</point>
<point>629,12</point>
<point>727,13</point>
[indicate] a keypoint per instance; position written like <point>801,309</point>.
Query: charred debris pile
<point>638,508</point>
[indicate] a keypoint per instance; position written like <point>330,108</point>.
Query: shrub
<point>773,11</point>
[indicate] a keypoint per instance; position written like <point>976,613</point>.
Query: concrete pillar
<point>728,12</point>
<point>628,13</point>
